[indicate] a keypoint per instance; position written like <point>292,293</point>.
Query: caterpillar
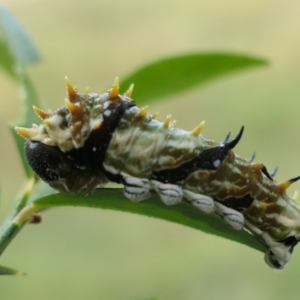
<point>95,139</point>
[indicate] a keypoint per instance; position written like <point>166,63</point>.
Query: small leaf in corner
<point>10,271</point>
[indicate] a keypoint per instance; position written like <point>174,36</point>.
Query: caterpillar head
<point>68,148</point>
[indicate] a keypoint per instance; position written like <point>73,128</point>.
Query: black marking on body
<point>92,154</point>
<point>238,204</point>
<point>276,264</point>
<point>117,178</point>
<point>290,242</point>
<point>209,159</point>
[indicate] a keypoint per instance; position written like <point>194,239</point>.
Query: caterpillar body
<point>95,138</point>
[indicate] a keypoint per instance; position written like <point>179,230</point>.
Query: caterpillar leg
<point>202,202</point>
<point>170,194</point>
<point>280,252</point>
<point>136,189</point>
<point>252,228</point>
<point>273,261</point>
<point>231,216</point>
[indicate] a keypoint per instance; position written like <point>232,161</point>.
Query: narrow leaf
<point>20,147</point>
<point>172,75</point>
<point>29,99</point>
<point>184,213</point>
<point>6,60</point>
<point>17,51</point>
<point>18,41</point>
<point>10,271</point>
<point>144,298</point>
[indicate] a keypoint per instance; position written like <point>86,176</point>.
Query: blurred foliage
<point>174,75</point>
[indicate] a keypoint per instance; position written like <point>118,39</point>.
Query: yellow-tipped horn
<point>71,106</point>
<point>155,115</point>
<point>143,111</point>
<point>114,91</point>
<point>258,166</point>
<point>40,113</point>
<point>25,133</point>
<point>286,184</point>
<point>167,122</point>
<point>49,124</point>
<point>97,125</point>
<point>72,92</point>
<point>295,195</point>
<point>197,130</point>
<point>128,93</point>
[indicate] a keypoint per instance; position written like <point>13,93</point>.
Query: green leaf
<point>184,213</point>
<point>10,271</point>
<point>19,141</point>
<point>6,60</point>
<point>16,52</point>
<point>144,298</point>
<point>173,75</point>
<point>29,99</point>
<point>21,46</point>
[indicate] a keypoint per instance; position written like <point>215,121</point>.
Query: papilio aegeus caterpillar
<point>95,138</point>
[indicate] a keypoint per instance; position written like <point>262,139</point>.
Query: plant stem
<point>18,217</point>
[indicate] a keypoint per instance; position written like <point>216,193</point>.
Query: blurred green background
<point>81,253</point>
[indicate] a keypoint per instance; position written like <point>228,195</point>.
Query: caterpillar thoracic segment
<point>99,138</point>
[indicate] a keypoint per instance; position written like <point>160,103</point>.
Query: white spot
<point>94,149</point>
<point>107,113</point>
<point>216,163</point>
<point>106,104</point>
